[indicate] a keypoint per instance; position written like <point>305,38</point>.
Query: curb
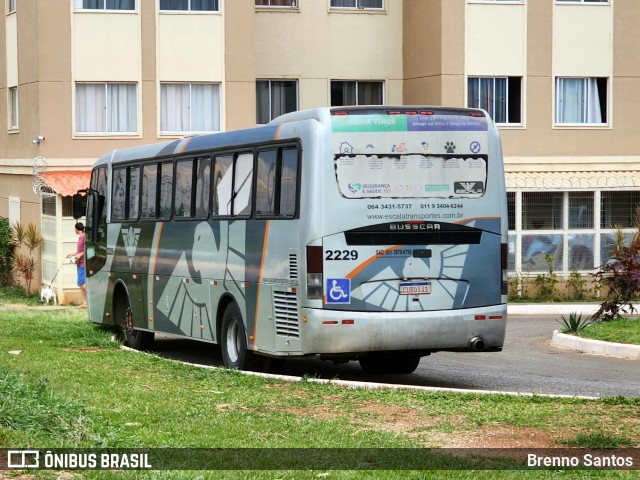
<point>595,347</point>
<point>552,308</point>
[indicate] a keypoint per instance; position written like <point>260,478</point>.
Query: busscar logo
<point>414,226</point>
<point>23,459</point>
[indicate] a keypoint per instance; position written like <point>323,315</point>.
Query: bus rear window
<point>411,176</point>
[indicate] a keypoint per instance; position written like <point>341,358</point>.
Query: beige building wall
<point>239,92</point>
<point>433,52</point>
<point>315,44</point>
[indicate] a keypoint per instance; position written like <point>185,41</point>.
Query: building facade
<point>82,77</point>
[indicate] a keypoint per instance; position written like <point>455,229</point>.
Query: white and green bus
<point>376,234</point>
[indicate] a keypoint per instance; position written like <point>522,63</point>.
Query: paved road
<point>528,364</point>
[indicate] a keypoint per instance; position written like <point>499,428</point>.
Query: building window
<point>276,3</point>
<point>619,209</point>
<point>187,107</point>
<point>13,108</point>
<point>106,108</point>
<point>361,4</point>
<point>582,1</point>
<point>104,4</point>
<point>12,6</point>
<point>500,96</point>
<point>274,98</point>
<point>356,93</point>
<point>581,101</point>
<point>189,5</point>
<point>49,205</point>
<point>568,227</point>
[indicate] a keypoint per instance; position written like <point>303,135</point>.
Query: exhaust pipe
<point>476,344</point>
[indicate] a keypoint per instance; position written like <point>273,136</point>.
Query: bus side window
<point>99,184</point>
<point>166,189</point>
<point>184,179</point>
<point>118,203</point>
<point>289,182</point>
<point>222,184</point>
<point>149,190</point>
<point>203,187</point>
<point>134,193</point>
<point>266,182</point>
<point>242,184</point>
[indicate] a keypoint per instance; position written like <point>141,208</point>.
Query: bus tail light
<point>505,266</point>
<point>314,273</point>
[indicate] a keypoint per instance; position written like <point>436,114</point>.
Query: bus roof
<point>269,132</point>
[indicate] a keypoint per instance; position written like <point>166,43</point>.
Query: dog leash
<point>58,271</point>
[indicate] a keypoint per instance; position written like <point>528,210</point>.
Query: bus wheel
<point>233,341</point>
<point>132,338</point>
<point>389,363</point>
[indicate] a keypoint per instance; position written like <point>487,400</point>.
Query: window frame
<point>127,195</point>
<point>218,114</point>
<point>604,108</point>
<point>293,4</point>
<point>270,82</point>
<point>280,149</point>
<point>587,2</point>
<point>78,7</point>
<point>13,102</point>
<point>189,9</point>
<point>108,113</point>
<point>357,7</point>
<point>357,90</point>
<point>509,110</point>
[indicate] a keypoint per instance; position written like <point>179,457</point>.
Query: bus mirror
<point>78,206</point>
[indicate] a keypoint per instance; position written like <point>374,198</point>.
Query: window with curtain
<point>356,93</point>
<point>501,97</point>
<point>363,4</point>
<point>189,5</point>
<point>189,107</point>
<point>13,108</point>
<point>106,108</point>
<point>276,3</point>
<point>582,1</point>
<point>581,100</point>
<point>104,4</point>
<point>274,98</point>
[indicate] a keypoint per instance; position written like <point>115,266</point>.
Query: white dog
<point>47,294</point>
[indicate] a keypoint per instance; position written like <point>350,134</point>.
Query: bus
<point>370,234</point>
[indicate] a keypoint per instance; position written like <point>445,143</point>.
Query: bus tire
<point>379,363</point>
<point>233,341</point>
<point>130,336</point>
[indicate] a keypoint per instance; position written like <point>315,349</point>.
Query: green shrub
<point>547,282</point>
<point>575,323</point>
<point>6,253</point>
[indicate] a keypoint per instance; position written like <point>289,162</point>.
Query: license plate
<point>415,288</point>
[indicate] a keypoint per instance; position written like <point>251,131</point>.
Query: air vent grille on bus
<point>293,266</point>
<point>285,307</point>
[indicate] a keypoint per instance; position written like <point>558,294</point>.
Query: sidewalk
<point>556,308</point>
<point>572,342</point>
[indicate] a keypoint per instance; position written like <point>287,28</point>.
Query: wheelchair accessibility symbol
<point>338,290</point>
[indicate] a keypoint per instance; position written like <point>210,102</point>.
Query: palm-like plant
<point>25,265</point>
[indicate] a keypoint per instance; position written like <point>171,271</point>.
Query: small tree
<point>28,239</point>
<point>547,282</point>
<point>621,277</point>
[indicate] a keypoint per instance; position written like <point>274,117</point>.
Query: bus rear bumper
<point>344,332</point>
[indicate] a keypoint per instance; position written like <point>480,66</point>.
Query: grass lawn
<point>623,330</point>
<point>64,383</point>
